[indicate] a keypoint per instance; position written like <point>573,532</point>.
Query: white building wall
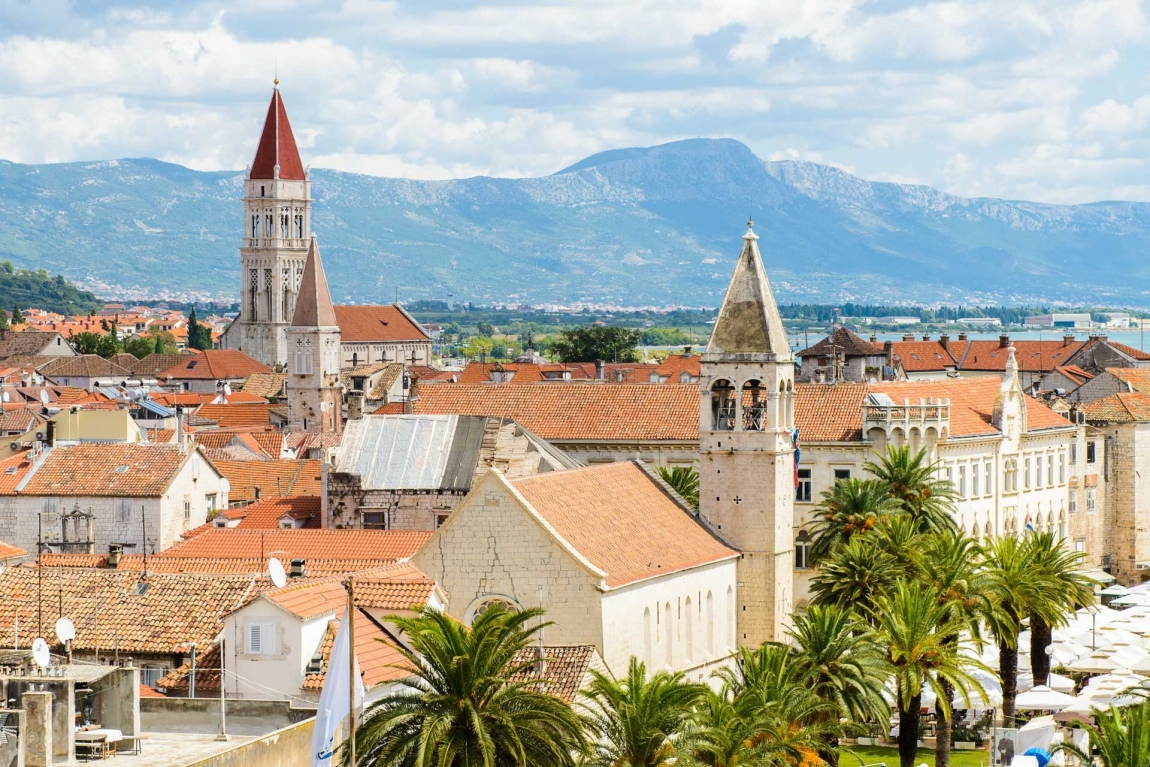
<point>275,675</point>
<point>701,634</point>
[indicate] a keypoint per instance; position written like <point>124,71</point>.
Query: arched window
<point>487,601</point>
<point>667,635</point>
<point>803,550</point>
<point>723,405</point>
<point>730,632</point>
<point>710,616</point>
<point>689,629</point>
<point>986,529</point>
<point>754,406</point>
<point>647,637</point>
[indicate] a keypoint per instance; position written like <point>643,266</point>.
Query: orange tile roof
<point>921,356</point>
<point>1074,373</point>
<point>13,470</point>
<point>252,566</point>
<point>246,415</point>
<point>266,385</point>
<point>971,403</point>
<point>677,364</point>
<point>265,514</point>
<point>111,611</point>
<point>565,668</point>
<point>273,478</point>
<point>395,587</point>
<point>480,372</point>
<point>364,324</point>
<point>622,521</point>
<point>1032,356</point>
<point>376,651</point>
<point>8,551</point>
<point>310,599</point>
<point>829,412</point>
<point>84,366</point>
<point>123,470</point>
<point>1137,354</point>
<point>380,546</point>
<point>1137,378</point>
<point>1123,407</point>
<point>214,364</point>
<point>575,411</point>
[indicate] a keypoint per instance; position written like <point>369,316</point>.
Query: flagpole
<point>351,671</point>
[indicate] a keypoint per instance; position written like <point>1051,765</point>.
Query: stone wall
<point>202,715</point>
<point>287,747</point>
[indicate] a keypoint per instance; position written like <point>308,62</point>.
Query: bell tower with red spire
<point>277,232</point>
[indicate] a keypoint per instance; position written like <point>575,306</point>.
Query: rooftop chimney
<point>888,350</point>
<point>114,552</point>
<point>598,370</point>
<point>179,424</point>
<point>944,341</point>
<point>908,336</point>
<point>1003,341</point>
<point>1067,339</point>
<point>686,351</point>
<point>925,337</point>
<point>962,336</point>
<point>873,338</point>
<point>298,568</point>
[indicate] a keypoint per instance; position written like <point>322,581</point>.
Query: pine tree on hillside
<point>17,317</point>
<point>199,336</point>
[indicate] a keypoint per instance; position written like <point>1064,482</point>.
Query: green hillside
<point>27,288</point>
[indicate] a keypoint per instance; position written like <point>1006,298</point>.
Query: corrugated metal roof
<point>411,452</point>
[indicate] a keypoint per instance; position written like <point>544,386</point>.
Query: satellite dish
<point>40,653</point>
<point>65,630</point>
<point>7,397</point>
<point>43,397</point>
<point>276,571</point>
<point>227,390</point>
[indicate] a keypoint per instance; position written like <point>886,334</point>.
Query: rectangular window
<point>1062,468</point>
<point>974,481</point>
<point>803,490</point>
<point>988,485</point>
<point>1050,470</point>
<point>1080,545</point>
<point>1073,453</point>
<point>1073,502</point>
<point>1038,471</point>
<point>374,520</point>
<point>1090,499</point>
<point>803,552</point>
<point>123,510</point>
<point>50,506</point>
<point>210,500</point>
<point>187,509</point>
<point>1026,474</point>
<point>261,639</point>
<point>842,474</point>
<point>1090,455</point>
<point>303,363</point>
<point>962,480</point>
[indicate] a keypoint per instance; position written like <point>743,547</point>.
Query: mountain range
<point>643,226</point>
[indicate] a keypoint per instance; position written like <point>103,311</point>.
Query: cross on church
<point>738,500</point>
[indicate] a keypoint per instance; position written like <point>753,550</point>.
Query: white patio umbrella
<point>1115,590</point>
<point>1142,667</point>
<point>1061,683</point>
<point>1094,663</point>
<point>1134,599</point>
<point>1042,698</point>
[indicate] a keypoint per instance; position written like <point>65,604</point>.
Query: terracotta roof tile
<point>273,478</point>
<point>155,364</point>
<point>922,356</point>
<point>310,599</point>
<point>265,514</point>
<point>1074,373</point>
<point>111,610</point>
<point>247,415</point>
<point>122,470</point>
<point>1032,356</point>
<point>266,385</point>
<point>277,146</point>
<point>364,324</point>
<point>481,372</point>
<point>8,551</point>
<point>971,403</point>
<point>676,364</point>
<point>214,364</point>
<point>847,342</point>
<point>622,521</point>
<point>1137,378</point>
<point>560,411</point>
<point>565,668</point>
<point>1137,354</point>
<point>252,566</point>
<point>378,546</point>
<point>1123,407</point>
<point>376,651</point>
<point>829,412</point>
<point>84,366</point>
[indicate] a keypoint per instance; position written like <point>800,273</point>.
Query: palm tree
<point>1018,592</point>
<point>916,629</point>
<point>913,480</point>
<point>1121,736</point>
<point>1058,568</point>
<point>684,481</point>
<point>950,564</point>
<point>636,722</point>
<point>461,705</point>
<point>850,507</point>
<point>837,659</point>
<point>855,575</point>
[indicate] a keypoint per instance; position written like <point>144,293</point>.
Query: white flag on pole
<point>333,699</point>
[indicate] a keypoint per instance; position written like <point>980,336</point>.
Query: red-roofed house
<point>381,334</point>
<point>610,551</point>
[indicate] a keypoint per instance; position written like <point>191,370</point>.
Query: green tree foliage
<point>26,287</point>
<point>4,320</point>
<point>485,329</point>
<point>849,507</point>
<point>1119,736</point>
<point>637,721</point>
<point>664,337</point>
<point>462,706</point>
<point>199,336</point>
<point>1061,571</point>
<point>104,344</point>
<point>161,342</point>
<point>17,317</point>
<point>684,480</point>
<point>596,342</point>
<point>914,482</point>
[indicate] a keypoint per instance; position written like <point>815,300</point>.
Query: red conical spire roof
<point>313,308</point>
<point>277,146</point>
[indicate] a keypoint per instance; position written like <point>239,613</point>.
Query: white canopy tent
<point>1042,698</point>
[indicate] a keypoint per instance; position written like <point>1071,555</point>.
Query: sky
<point>1044,100</point>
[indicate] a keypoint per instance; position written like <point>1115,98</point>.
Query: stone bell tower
<point>314,399</point>
<point>277,228</point>
<point>746,450</point>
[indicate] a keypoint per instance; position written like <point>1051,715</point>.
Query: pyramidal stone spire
<point>313,307</point>
<point>277,149</point>
<point>749,321</point>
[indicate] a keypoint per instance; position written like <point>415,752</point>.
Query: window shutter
<point>255,635</point>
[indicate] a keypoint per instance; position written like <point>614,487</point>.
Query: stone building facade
<point>314,392</point>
